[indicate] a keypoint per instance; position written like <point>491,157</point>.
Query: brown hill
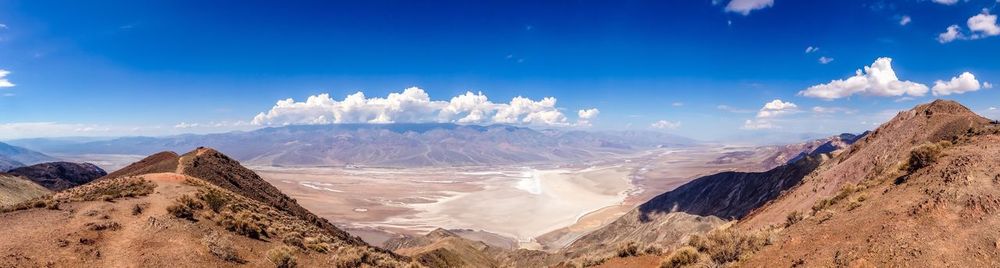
<point>878,153</point>
<point>922,190</point>
<point>14,189</point>
<point>174,219</point>
<point>443,248</point>
<point>58,176</point>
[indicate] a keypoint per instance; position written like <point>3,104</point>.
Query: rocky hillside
<point>696,207</point>
<point>58,176</point>
<point>15,189</point>
<point>922,189</point>
<point>148,217</point>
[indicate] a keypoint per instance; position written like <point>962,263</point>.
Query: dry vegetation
<point>253,219</point>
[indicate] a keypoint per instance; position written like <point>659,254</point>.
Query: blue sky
<point>707,68</point>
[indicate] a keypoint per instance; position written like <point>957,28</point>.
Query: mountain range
<point>14,156</point>
<point>920,190</point>
<point>400,145</point>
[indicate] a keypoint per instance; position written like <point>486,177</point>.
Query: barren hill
<point>15,189</point>
<point>160,219</point>
<point>58,176</point>
<point>921,190</point>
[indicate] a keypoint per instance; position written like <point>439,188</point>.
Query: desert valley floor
<point>544,206</point>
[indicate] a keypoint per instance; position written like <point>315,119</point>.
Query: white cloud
<point>983,25</point>
<point>776,108</point>
<point>768,113</point>
<point>811,49</point>
<point>745,6</point>
<point>677,104</point>
<point>825,60</point>
<point>414,105</point>
<point>950,34</point>
<point>988,84</point>
<point>945,2</point>
<point>905,20</point>
<point>876,80</point>
<point>3,79</point>
<point>588,113</point>
<point>965,82</point>
<point>664,124</point>
<point>584,116</point>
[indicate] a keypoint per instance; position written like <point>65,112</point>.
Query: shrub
<point>628,249</point>
<point>184,207</point>
<point>215,199</point>
<point>725,246</point>
<point>222,248</point>
<point>282,257</point>
<point>793,218</point>
<point>653,250</point>
<point>137,209</point>
<point>244,223</point>
<point>923,156</point>
<point>293,239</point>
<point>681,257</point>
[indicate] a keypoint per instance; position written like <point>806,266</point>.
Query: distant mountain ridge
<point>404,145</point>
<point>14,156</point>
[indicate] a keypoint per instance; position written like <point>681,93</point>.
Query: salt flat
<point>542,206</point>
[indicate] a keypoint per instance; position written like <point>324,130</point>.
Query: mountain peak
<point>941,106</point>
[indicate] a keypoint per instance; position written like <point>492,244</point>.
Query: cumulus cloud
<point>776,108</point>
<point>876,80</point>
<point>584,116</point>
<point>811,49</point>
<point>965,82</point>
<point>745,6</point>
<point>825,60</point>
<point>3,79</point>
<point>414,105</point>
<point>987,84</point>
<point>664,124</point>
<point>769,112</point>
<point>950,34</point>
<point>945,2</point>
<point>981,25</point>
<point>905,20</point>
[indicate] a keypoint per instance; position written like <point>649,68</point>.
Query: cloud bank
<point>876,80</point>
<point>414,105</point>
